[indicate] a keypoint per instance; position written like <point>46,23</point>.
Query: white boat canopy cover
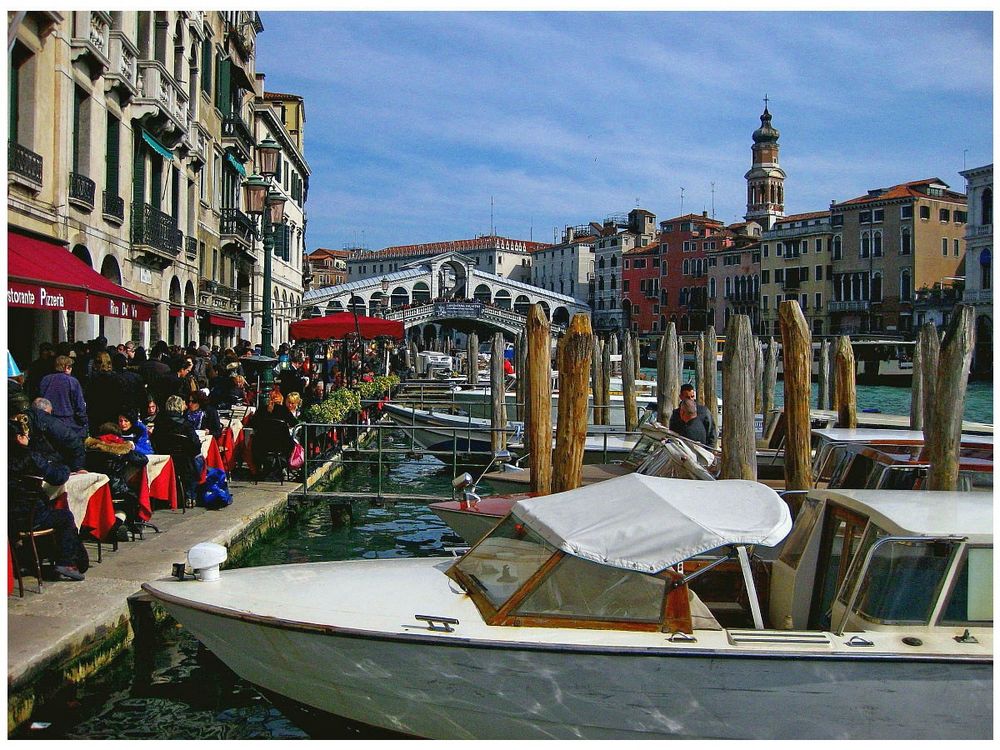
<point>650,523</point>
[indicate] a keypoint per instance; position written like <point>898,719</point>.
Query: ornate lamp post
<point>267,204</point>
<point>385,297</point>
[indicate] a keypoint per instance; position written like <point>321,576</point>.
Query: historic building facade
<point>131,134</point>
<point>326,267</point>
<point>978,290</point>
<point>888,245</point>
<point>566,268</point>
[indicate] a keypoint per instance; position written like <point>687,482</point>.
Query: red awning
<point>176,312</point>
<point>339,325</point>
<point>226,321</point>
<point>46,276</point>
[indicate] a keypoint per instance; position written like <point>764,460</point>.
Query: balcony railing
<point>776,234</point>
<point>153,228</point>
<point>858,305</point>
<point>113,206</point>
<point>234,127</point>
<point>24,163</point>
<point>81,191</point>
<point>236,223</point>
<point>980,230</point>
<point>191,247</point>
<point>161,96</point>
<point>977,295</point>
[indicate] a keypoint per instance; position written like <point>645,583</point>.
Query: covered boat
<point>583,617</point>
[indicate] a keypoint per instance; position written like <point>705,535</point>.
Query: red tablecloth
<point>90,502</point>
<point>163,484</point>
<point>10,571</point>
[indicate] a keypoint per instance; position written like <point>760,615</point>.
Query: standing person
<point>686,422</point>
<point>65,394</point>
<point>105,391</point>
<point>293,379</point>
<point>688,391</point>
<point>39,368</point>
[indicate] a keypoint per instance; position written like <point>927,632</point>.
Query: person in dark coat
<point>39,368</point>
<point>202,415</point>
<point>686,422</point>
<point>105,392</point>
<point>135,432</point>
<point>66,396</point>
<point>26,470</point>
<point>174,435</point>
<point>293,380</point>
<point>109,453</point>
<point>50,436</point>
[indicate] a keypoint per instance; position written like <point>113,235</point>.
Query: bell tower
<point>765,180</point>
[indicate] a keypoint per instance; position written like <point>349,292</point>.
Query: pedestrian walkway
<point>67,617</point>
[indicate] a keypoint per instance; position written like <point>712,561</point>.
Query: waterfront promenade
<point>59,629</point>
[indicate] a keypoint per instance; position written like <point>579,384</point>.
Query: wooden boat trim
<point>681,649</point>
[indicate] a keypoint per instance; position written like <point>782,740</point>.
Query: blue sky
<point>414,120</point>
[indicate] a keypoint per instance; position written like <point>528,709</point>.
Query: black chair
<point>178,447</point>
<point>22,539</point>
<point>271,448</point>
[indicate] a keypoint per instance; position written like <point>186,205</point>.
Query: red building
<point>641,288</point>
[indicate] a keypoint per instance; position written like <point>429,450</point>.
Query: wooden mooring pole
<point>796,360</point>
<point>739,449</point>
<point>769,378</point>
<point>574,358</point>
<point>847,396</point>
<point>539,421</point>
<point>757,375</point>
<point>711,350</point>
<point>596,373</point>
<point>680,361</point>
<point>669,386</point>
<point>943,421</point>
<point>917,389</point>
<point>822,376</point>
<point>521,373</point>
<point>628,383</point>
<point>498,395</point>
<point>472,355</point>
<point>606,382</point>
<point>699,367</point>
<point>930,352</point>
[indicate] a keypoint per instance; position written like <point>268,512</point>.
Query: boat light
<point>205,559</point>
<point>462,481</point>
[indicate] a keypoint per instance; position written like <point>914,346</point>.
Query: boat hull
<point>460,688</point>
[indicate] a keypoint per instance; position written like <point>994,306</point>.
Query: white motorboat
<point>581,616</point>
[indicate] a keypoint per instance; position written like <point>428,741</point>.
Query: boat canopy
<point>650,523</point>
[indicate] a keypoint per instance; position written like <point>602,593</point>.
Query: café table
<point>88,496</point>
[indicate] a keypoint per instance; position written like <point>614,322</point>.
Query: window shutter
<point>138,170</point>
<point>112,156</point>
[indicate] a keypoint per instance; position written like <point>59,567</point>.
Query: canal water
<point>178,689</point>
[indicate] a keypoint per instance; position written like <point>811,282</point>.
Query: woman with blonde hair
<point>293,402</point>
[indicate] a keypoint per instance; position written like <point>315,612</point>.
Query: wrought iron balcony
<point>24,164</point>
<point>235,223</point>
<point>234,128</point>
<point>113,206</point>
<point>152,228</point>
<point>81,191</point>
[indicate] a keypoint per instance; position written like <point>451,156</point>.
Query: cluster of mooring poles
<point>749,374</point>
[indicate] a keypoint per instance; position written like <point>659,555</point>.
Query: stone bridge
<point>448,290</point>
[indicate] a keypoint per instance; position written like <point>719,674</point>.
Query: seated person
<point>109,453</point>
<point>174,436</point>
<point>50,436</point>
<point>275,409</point>
<point>201,415</point>
<point>149,414</point>
<point>271,445</point>
<point>228,388</point>
<point>26,469</point>
<point>134,431</point>
<point>315,394</point>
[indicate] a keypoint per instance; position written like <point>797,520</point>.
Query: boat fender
<point>205,559</point>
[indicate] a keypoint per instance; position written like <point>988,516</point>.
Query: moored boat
<point>583,617</point>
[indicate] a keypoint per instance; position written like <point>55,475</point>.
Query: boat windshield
<point>503,561</point>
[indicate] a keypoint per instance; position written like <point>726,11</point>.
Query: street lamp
<point>267,204</point>
<point>385,298</point>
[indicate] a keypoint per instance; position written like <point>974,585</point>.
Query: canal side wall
<point>72,630</point>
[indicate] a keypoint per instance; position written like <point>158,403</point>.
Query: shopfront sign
<point>45,297</point>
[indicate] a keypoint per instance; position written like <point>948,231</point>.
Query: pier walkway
<point>56,628</point>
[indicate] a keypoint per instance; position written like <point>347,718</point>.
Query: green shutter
<point>112,156</point>
<point>223,91</point>
<point>206,67</point>
<point>138,169</point>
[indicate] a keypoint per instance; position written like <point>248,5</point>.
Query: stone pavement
<point>67,617</point>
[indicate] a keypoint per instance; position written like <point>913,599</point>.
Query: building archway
<point>421,292</point>
<point>502,299</point>
<point>375,304</point>
<point>521,304</point>
<point>334,306</point>
<point>982,360</point>
<point>356,305</point>
<point>399,297</point>
<point>482,294</point>
<point>560,316</point>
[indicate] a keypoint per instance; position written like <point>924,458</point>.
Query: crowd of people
<point>94,407</point>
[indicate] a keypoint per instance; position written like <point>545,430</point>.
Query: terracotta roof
<point>693,217</point>
<point>802,217</point>
<point>274,95</point>
<point>325,252</point>
<point>904,190</point>
<point>644,249</point>
<point>454,246</point>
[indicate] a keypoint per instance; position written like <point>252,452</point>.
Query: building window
<point>864,217</point>
<point>876,294</point>
<point>112,155</point>
<point>765,276</point>
<point>944,215</point>
<point>766,251</point>
<point>819,244</point>
<point>925,212</point>
<point>878,214</point>
<point>961,217</point>
<point>838,248</point>
<point>905,243</point>
<point>819,273</point>
<point>906,212</point>
<point>779,275</point>
<point>819,300</point>
<point>985,269</point>
<point>905,293</point>
<point>763,302</point>
<point>986,207</point>
<point>711,288</point>
<point>955,248</point>
<point>877,244</point>
<point>779,249</point>
<point>865,245</point>
<point>944,246</point>
<point>805,302</point>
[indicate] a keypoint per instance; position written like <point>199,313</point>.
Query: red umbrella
<point>339,325</point>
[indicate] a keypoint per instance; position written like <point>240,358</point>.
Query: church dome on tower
<point>765,133</point>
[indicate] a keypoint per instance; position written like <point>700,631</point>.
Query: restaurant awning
<point>338,325</point>
<point>226,321</point>
<point>46,276</point>
<point>177,312</point>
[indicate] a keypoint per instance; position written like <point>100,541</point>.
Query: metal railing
<point>82,190</point>
<point>235,222</point>
<point>153,228</point>
<point>848,305</point>
<point>191,247</point>
<point>234,127</point>
<point>24,162</point>
<point>113,205</point>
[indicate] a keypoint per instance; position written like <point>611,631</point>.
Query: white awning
<point>649,523</point>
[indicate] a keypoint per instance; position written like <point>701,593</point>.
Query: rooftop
<point>905,190</point>
<point>485,242</point>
